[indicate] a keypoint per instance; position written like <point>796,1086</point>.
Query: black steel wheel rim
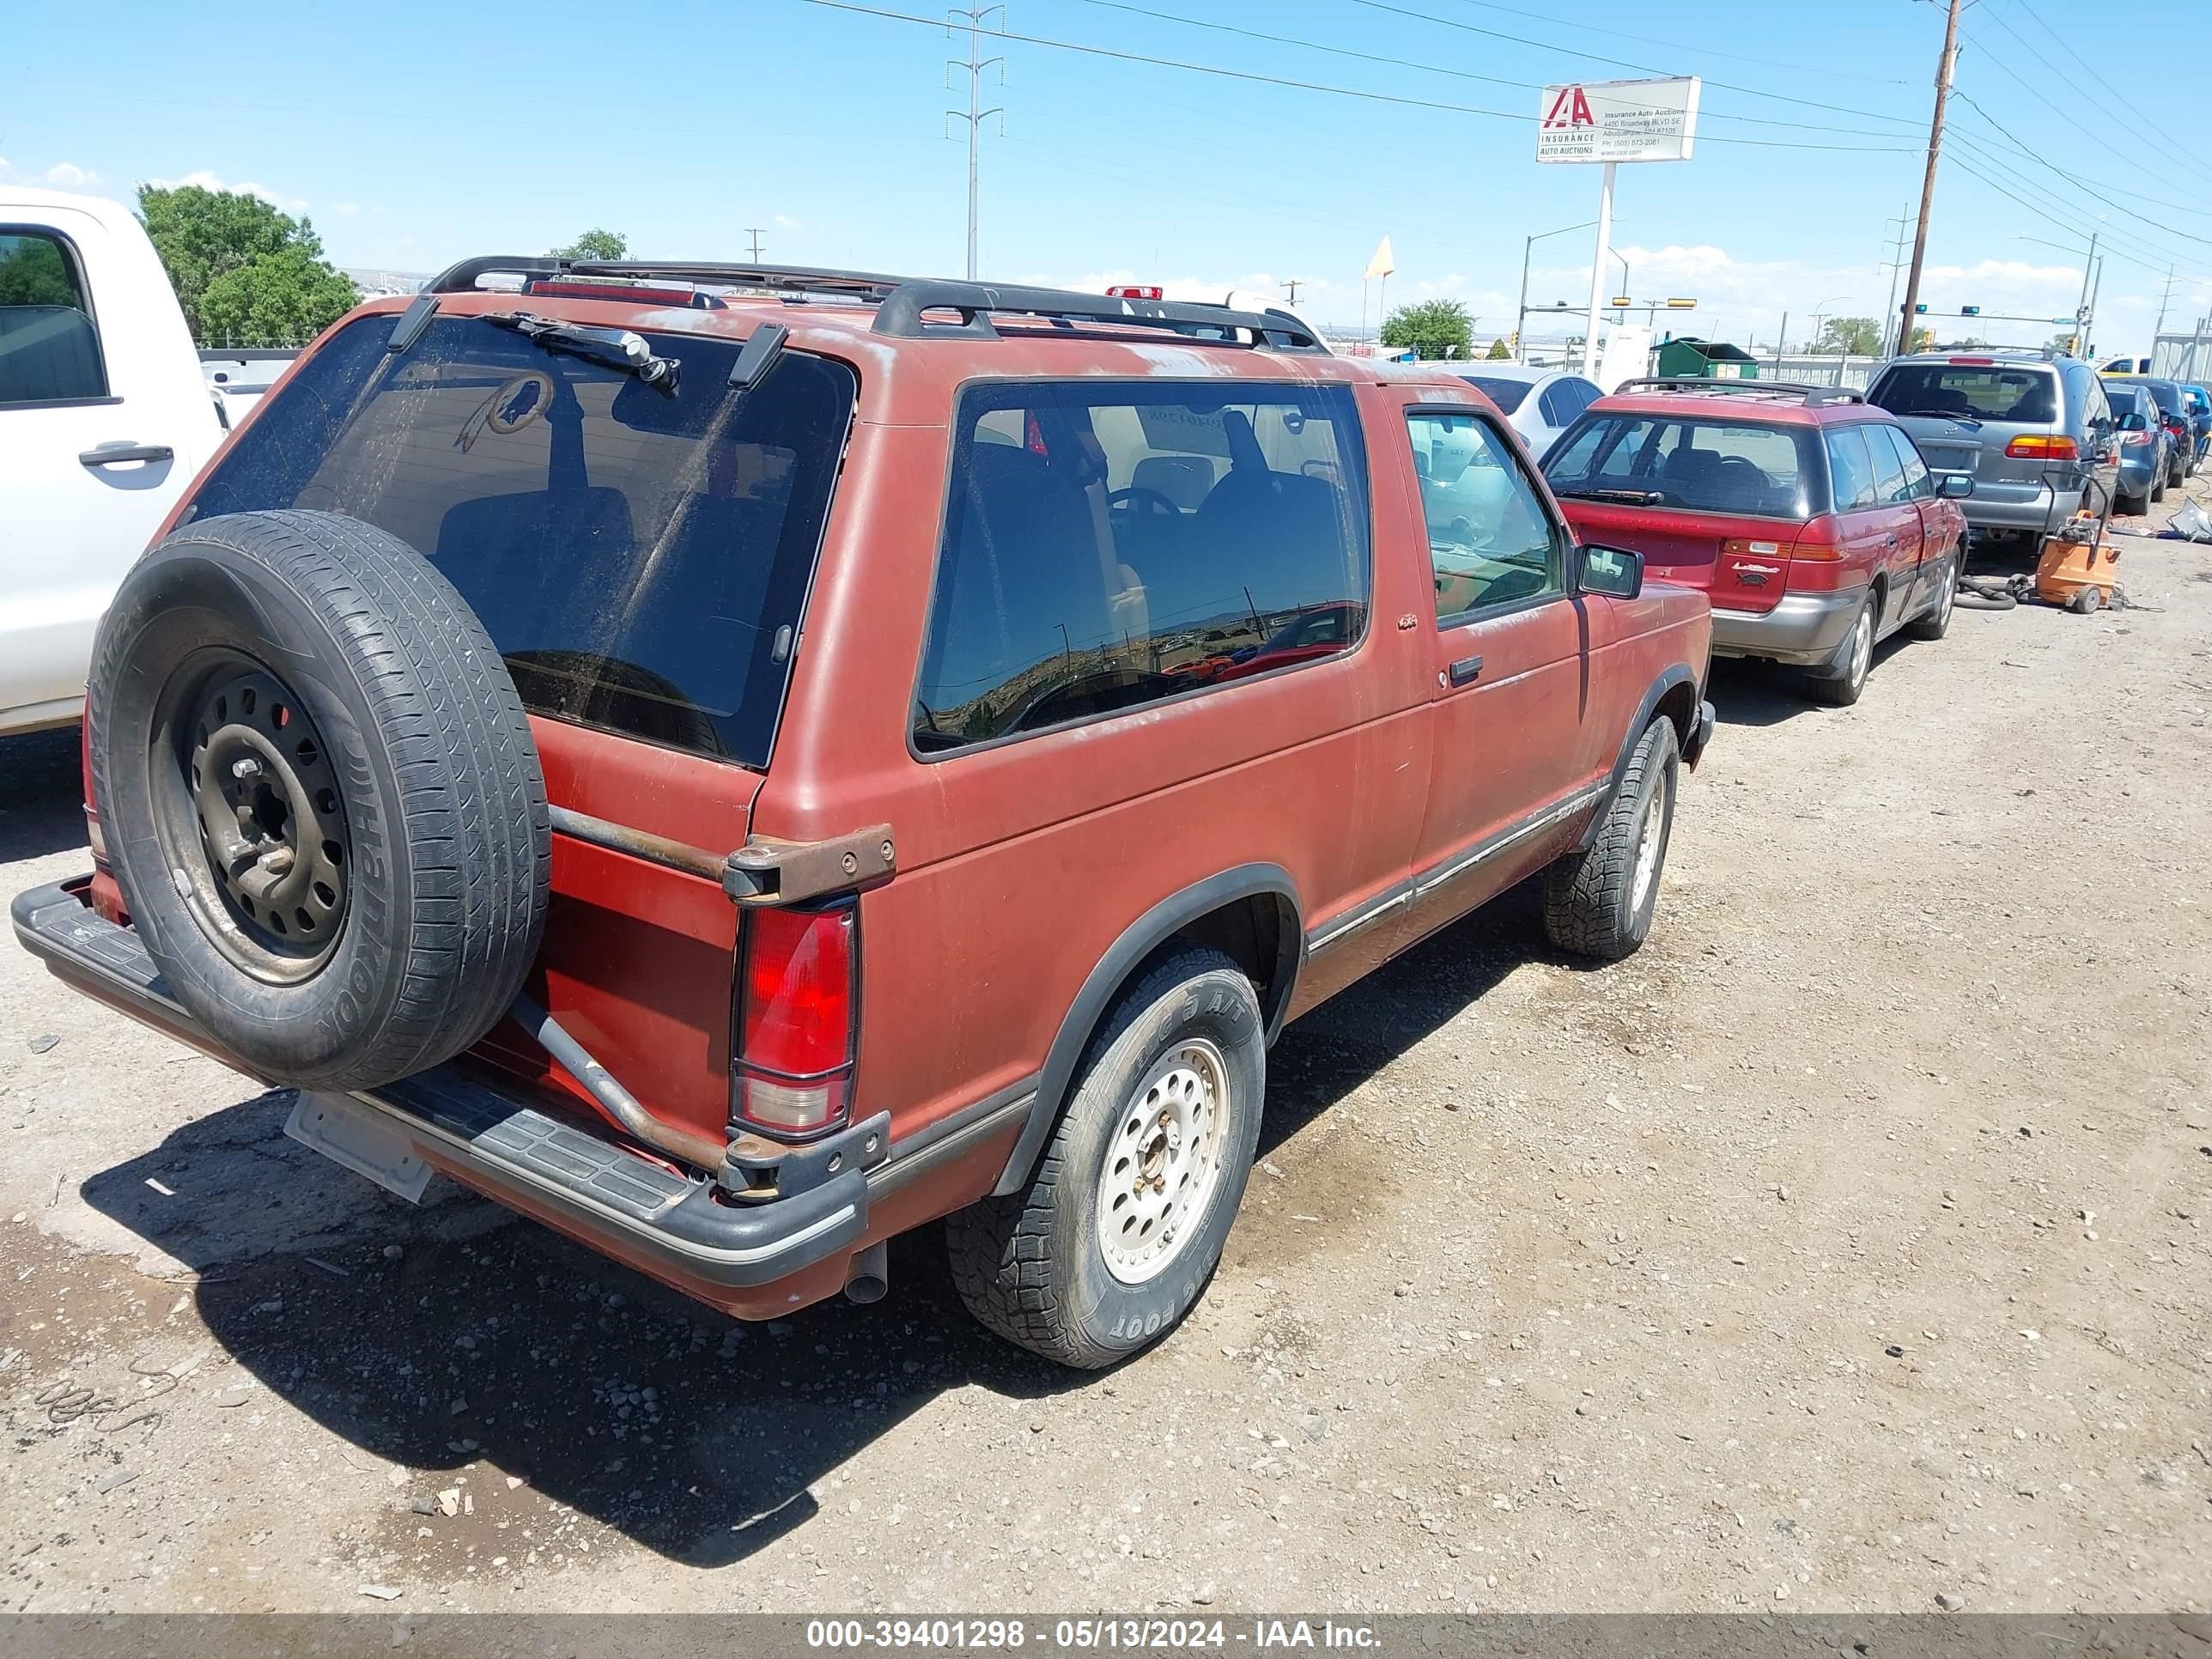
<point>251,817</point>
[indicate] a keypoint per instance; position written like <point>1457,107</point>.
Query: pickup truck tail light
<point>797,992</point>
<point>2044,446</point>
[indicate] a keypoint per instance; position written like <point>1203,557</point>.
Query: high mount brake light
<point>629,294</point>
<point>1134,291</point>
<point>792,1074</point>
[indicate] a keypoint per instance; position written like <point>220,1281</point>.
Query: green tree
<point>31,273</point>
<point>1852,337</point>
<point>255,259</point>
<point>284,297</point>
<point>1499,352</point>
<point>1429,327</point>
<point>595,244</point>
<point>2068,342</point>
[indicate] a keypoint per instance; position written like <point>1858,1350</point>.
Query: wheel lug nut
<point>246,767</point>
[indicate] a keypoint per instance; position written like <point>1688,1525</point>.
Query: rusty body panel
<point>1377,802</point>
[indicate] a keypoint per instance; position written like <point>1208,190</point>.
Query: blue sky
<point>413,135</point>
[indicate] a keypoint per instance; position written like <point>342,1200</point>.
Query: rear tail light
<point>1816,557</point>
<point>792,1074</point>
<point>2131,438</point>
<point>2044,446</point>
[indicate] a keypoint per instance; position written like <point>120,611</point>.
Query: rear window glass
<point>1707,465</point>
<point>640,559</point>
<point>1106,546</point>
<point>1983,392</point>
<point>1508,395</point>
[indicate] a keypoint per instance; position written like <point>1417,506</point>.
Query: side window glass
<point>1552,405</point>
<point>1108,546</point>
<point>1490,540</point>
<point>1918,486</point>
<point>1581,394</point>
<point>49,349</point>
<point>1851,468</point>
<point>1889,482</point>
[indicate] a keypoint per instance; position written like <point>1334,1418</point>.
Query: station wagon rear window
<point>641,559</point>
<point>1980,392</point>
<point>1702,463</point>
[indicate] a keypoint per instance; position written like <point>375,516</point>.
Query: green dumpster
<point>1709,360</point>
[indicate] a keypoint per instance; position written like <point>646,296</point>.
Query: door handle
<point>1464,671</point>
<point>111,454</point>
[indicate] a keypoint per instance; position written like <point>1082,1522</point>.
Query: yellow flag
<point>1384,261</point>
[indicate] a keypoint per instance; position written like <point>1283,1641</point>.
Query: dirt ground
<point>1846,1248</point>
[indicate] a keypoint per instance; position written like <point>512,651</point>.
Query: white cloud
<point>785,222</point>
<point>347,208</point>
<point>207,180</point>
<point>67,175</point>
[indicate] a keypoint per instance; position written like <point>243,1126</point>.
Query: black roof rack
<point>1780,391</point>
<point>904,304</point>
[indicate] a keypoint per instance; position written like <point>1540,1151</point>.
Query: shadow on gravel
<point>1748,692</point>
<point>691,1434</point>
<point>41,794</point>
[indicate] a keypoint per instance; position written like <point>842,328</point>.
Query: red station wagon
<point>737,764</point>
<point>1807,516</point>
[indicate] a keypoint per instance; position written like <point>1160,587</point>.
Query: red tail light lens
<point>1133,291</point>
<point>2044,446</point>
<point>1816,557</point>
<point>793,1069</point>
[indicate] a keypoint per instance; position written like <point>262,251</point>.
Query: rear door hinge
<point>768,871</point>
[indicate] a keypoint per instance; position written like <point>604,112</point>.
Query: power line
<point>1437,69</point>
<point>1703,52</point>
<point>1625,62</point>
<point>1517,117</point>
<point>754,233</point>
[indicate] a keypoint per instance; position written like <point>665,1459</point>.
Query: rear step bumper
<point>588,1186</point>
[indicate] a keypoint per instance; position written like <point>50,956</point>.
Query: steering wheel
<point>1136,498</point>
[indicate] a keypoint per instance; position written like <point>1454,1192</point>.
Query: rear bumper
<point>488,1135</point>
<point>2035,508</point>
<point>1803,629</point>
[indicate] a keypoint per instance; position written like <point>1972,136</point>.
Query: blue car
<point>2198,402</point>
<point>2145,447</point>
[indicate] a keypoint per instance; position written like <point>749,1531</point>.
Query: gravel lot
<point>1845,1248</point>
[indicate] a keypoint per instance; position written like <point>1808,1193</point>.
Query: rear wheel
<point>1936,621</point>
<point>1122,1224</point>
<point>1854,661</point>
<point>320,796</point>
<point>2158,485</point>
<point>1599,900</point>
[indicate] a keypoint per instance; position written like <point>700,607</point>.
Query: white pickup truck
<point>106,413</point>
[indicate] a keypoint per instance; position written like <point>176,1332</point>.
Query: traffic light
<point>1920,310</point>
<point>1969,311</point>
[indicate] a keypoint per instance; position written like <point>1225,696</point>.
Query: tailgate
<point>1743,564</point>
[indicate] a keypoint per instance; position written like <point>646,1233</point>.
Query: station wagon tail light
<point>1975,362</point>
<point>2044,446</point>
<point>1133,291</point>
<point>1816,557</point>
<point>792,1074</point>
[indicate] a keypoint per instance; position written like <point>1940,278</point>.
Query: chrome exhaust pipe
<point>868,1277</point>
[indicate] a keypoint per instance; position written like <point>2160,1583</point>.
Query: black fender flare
<point>1670,679</point>
<point>1138,941</point>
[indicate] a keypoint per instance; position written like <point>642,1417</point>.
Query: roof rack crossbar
<point>901,314</point>
<point>1794,390</point>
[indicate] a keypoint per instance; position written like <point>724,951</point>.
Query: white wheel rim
<point>1862,646</point>
<point>1950,593</point>
<point>1647,837</point>
<point>1163,1162</point>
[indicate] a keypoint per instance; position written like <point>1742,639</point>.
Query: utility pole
<point>1944,68</point>
<point>2162,299</point>
<point>1292,284</point>
<point>754,233</point>
<point>975,115</point>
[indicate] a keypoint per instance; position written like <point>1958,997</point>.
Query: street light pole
<point>1597,265</point>
<point>1944,71</point>
<point>1529,246</point>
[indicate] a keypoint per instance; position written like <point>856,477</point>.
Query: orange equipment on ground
<point>2079,569</point>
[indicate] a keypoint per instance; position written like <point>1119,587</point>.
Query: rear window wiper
<point>1939,414</point>
<point>616,348</point>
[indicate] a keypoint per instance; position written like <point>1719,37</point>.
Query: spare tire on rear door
<point>320,795</point>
